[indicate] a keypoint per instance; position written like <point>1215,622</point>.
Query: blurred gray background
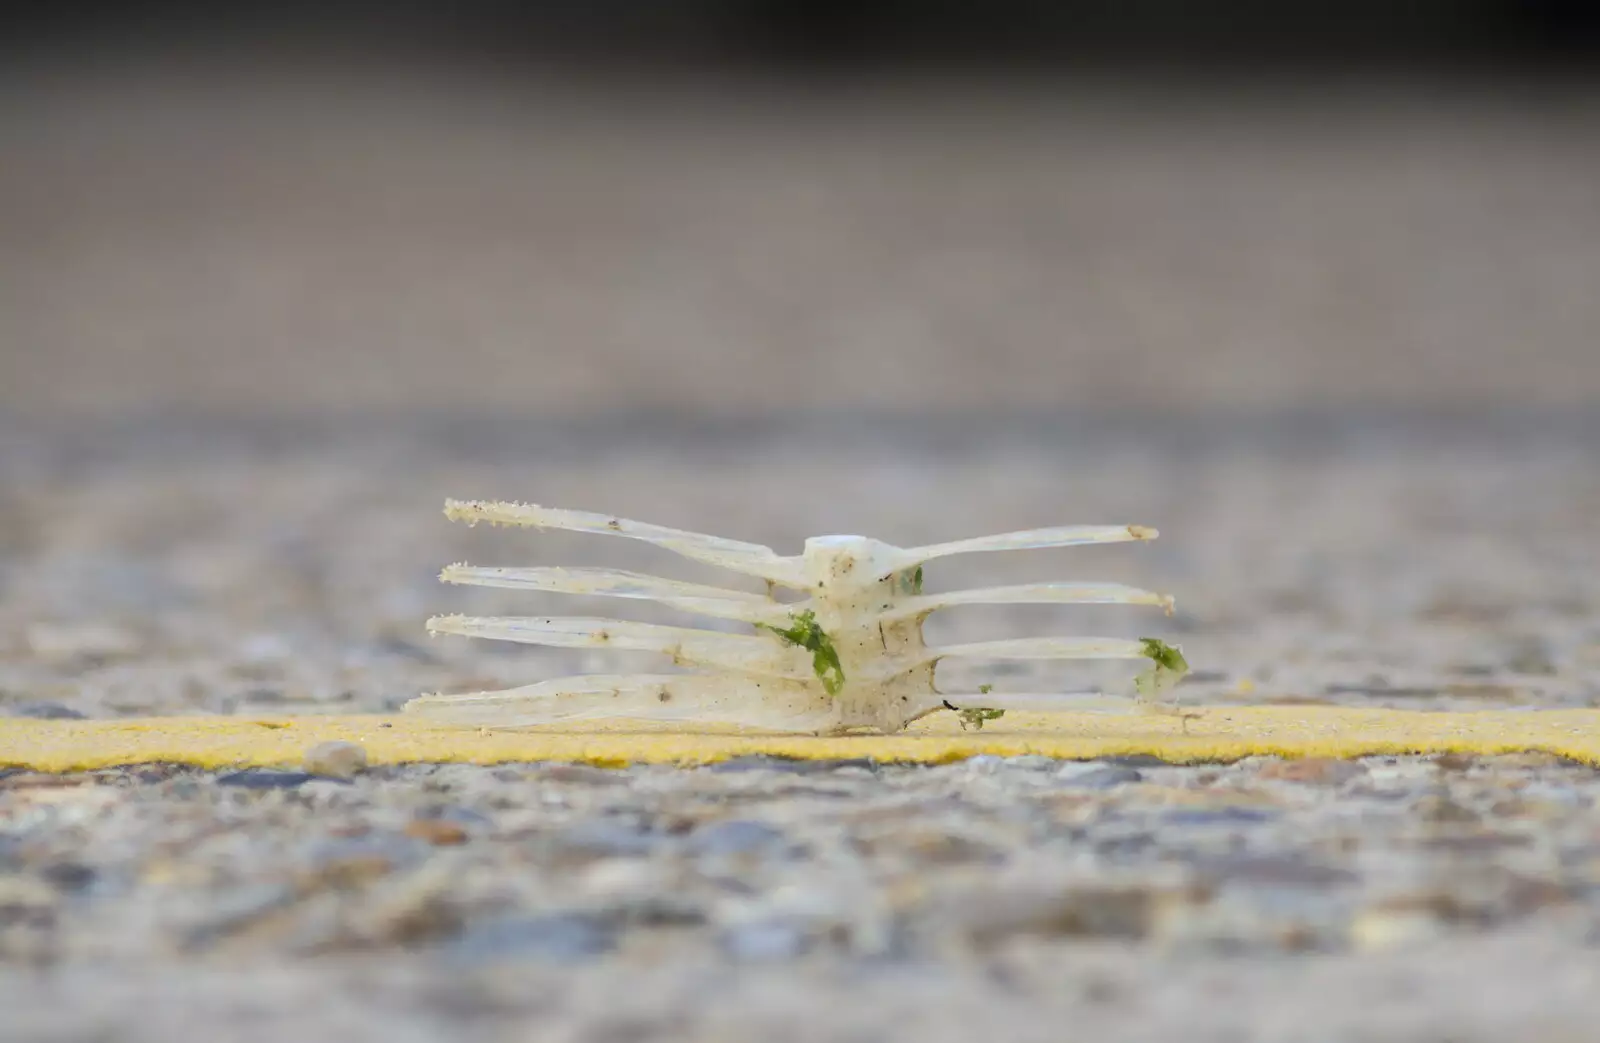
<point>736,208</point>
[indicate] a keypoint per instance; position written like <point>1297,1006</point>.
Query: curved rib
<point>1033,539</point>
<point>688,597</point>
<point>751,559</point>
<point>1042,648</point>
<point>748,654</point>
<point>1033,594</point>
<point>643,697</point>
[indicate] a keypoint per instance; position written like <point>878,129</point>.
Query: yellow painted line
<point>1217,734</point>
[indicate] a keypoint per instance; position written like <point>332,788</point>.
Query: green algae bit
<point>808,634</point>
<point>1168,667</point>
<point>975,717</point>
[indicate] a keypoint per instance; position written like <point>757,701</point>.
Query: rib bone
<point>848,656</point>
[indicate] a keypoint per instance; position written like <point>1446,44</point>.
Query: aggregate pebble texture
<point>281,560</point>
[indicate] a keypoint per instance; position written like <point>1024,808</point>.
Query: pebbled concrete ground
<point>175,567</point>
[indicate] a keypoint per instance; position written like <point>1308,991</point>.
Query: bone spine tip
<point>469,511</point>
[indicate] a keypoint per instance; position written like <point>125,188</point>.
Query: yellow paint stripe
<point>1217,734</point>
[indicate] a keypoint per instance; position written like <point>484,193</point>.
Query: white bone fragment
<point>848,655</point>
<point>748,654</point>
<point>760,703</point>
<point>752,559</point>
<point>689,597</point>
<point>1032,594</point>
<point>1035,539</point>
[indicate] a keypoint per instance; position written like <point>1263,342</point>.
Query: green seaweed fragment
<point>975,717</point>
<point>1167,668</point>
<point>807,633</point>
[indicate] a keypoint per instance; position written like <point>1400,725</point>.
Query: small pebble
<point>362,857</point>
<point>622,877</point>
<point>438,832</point>
<point>1097,776</point>
<point>18,892</point>
<point>1217,816</point>
<point>1320,771</point>
<point>1393,926</point>
<point>1088,911</point>
<point>70,876</point>
<point>1455,762</point>
<point>1033,762</point>
<point>253,778</point>
<point>790,765</point>
<point>583,773</point>
<point>457,814</point>
<point>560,937</point>
<point>41,780</point>
<point>336,759</point>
